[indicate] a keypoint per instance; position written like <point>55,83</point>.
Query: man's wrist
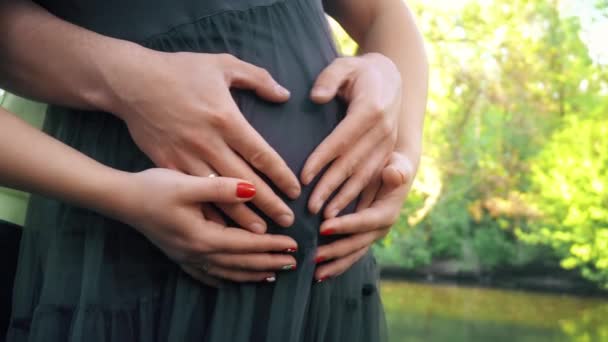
<point>126,59</point>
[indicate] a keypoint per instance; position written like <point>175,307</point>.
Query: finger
<point>235,240</point>
<point>240,213</point>
<point>346,134</point>
<point>398,172</point>
<point>244,217</point>
<point>331,79</point>
<point>368,149</point>
<point>218,189</point>
<point>365,220</point>
<point>339,266</point>
<point>244,75</point>
<point>211,214</point>
<point>250,145</point>
<point>201,169</point>
<point>348,245</point>
<point>201,276</point>
<point>369,193</point>
<point>355,185</point>
<point>255,262</point>
<point>228,163</point>
<point>240,276</point>
<point>196,167</point>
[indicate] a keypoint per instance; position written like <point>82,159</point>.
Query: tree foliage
<point>514,168</point>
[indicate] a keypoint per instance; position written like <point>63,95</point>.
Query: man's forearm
<point>388,27</point>
<point>50,60</point>
<point>395,35</point>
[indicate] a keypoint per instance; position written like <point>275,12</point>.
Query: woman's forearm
<point>32,161</point>
<point>48,59</point>
<point>388,27</point>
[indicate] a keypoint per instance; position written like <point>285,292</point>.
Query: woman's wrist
<point>107,191</point>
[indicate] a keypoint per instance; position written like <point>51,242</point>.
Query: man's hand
<point>378,209</point>
<point>180,112</point>
<point>362,143</point>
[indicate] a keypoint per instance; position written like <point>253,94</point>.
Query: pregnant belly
<point>291,40</point>
<point>294,129</point>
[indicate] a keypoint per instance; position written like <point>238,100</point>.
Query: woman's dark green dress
<point>83,277</point>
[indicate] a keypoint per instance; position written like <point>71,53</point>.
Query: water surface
<point>433,313</point>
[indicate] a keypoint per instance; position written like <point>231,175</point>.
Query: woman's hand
<point>362,143</point>
<point>180,112</point>
<point>378,209</point>
<point>165,206</point>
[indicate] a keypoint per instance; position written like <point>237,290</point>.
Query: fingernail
<point>245,190</point>
<point>289,267</point>
<point>290,250</point>
<point>322,279</point>
<point>329,231</point>
<point>257,227</point>
<point>270,279</point>
<point>281,90</point>
<point>319,91</point>
<point>294,192</point>
<point>319,259</point>
<point>306,178</point>
<point>285,220</point>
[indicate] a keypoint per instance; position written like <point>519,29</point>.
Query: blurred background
<point>505,233</point>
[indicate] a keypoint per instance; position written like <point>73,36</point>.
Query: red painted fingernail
<point>322,279</point>
<point>245,190</point>
<point>329,231</point>
<point>290,250</point>
<point>319,259</point>
<point>289,267</point>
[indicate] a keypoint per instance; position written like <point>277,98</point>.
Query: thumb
<point>330,80</point>
<point>244,75</point>
<point>220,190</point>
<point>398,172</point>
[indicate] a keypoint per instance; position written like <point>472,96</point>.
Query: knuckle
<point>376,110</point>
<point>214,271</point>
<point>268,201</point>
<point>218,119</point>
<point>206,246</point>
<point>226,58</point>
<point>329,151</point>
<point>386,220</point>
<point>385,126</point>
<point>328,75</point>
<point>188,253</point>
<point>264,75</point>
<point>218,187</point>
<point>260,159</point>
<point>240,277</point>
<point>350,62</point>
<point>350,166</point>
<point>207,148</point>
<point>241,264</point>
